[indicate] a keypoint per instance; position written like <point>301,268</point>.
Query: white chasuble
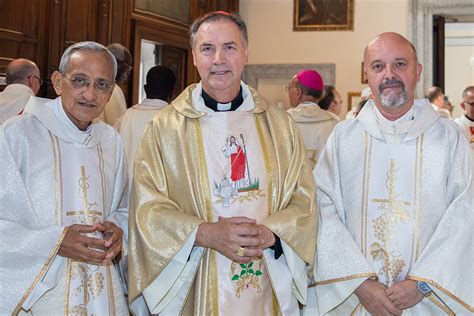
<point>238,181</point>
<point>390,216</point>
<point>89,289</point>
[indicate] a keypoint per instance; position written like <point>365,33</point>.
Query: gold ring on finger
<point>241,252</point>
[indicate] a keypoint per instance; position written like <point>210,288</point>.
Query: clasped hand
<point>78,246</point>
<point>378,300</point>
<point>229,234</point>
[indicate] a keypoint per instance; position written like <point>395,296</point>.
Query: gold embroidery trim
<point>110,290</point>
<point>275,309</point>
<point>445,291</point>
<point>56,189</point>
<point>420,190</point>
<point>71,213</point>
<point>346,278</point>
<point>415,205</point>
<point>102,177</point>
<point>208,206</point>
<point>214,282</point>
<point>68,284</point>
<point>41,273</point>
<point>60,183</point>
<point>365,184</point>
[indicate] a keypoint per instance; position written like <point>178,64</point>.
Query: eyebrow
<point>81,74</point>
<point>206,44</point>
<point>230,43</point>
<point>396,59</point>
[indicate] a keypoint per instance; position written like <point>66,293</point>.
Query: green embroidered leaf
<point>251,271</point>
<point>235,277</point>
<point>258,272</point>
<point>243,272</point>
<point>243,266</point>
<point>250,264</point>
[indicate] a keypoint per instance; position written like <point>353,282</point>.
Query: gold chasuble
<point>193,166</point>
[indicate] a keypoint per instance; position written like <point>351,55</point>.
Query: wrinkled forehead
<point>389,48</point>
<point>223,31</point>
<point>95,64</point>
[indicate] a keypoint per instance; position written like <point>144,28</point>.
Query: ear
<point>246,53</point>
<point>463,106</point>
<point>419,69</point>
<point>194,57</point>
<point>56,80</point>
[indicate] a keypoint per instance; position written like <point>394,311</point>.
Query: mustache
<point>390,82</point>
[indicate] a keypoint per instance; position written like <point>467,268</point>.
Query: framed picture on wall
<point>353,99</point>
<point>323,15</point>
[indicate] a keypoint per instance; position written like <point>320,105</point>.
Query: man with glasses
<point>466,122</point>
<point>23,81</point>
<point>63,199</point>
<point>117,104</point>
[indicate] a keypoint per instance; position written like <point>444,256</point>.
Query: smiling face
<point>83,104</point>
<point>393,72</point>
<point>220,55</point>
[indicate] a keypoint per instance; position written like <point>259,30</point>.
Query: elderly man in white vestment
<point>394,192</point>
<point>223,219</point>
<point>63,201</point>
<point>315,124</point>
<point>23,81</point>
<point>159,89</point>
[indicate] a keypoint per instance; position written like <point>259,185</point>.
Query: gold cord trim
<point>346,278</point>
<point>445,291</point>
<point>441,305</point>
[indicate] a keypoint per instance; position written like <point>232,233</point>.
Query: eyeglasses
<point>39,79</point>
<point>79,82</point>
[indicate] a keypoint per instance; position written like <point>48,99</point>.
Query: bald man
<point>23,81</point>
<point>394,194</point>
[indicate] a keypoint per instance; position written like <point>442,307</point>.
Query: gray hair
<point>218,16</point>
<point>89,47</point>
<point>19,69</point>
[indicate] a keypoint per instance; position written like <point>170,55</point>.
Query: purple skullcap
<point>310,79</point>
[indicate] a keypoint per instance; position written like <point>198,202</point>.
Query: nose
<point>90,93</point>
<point>389,74</point>
<point>219,57</point>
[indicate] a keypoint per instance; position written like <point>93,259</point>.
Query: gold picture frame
<point>323,15</point>
<point>353,98</point>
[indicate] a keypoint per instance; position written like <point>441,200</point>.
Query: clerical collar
<point>469,118</point>
<point>220,107</point>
